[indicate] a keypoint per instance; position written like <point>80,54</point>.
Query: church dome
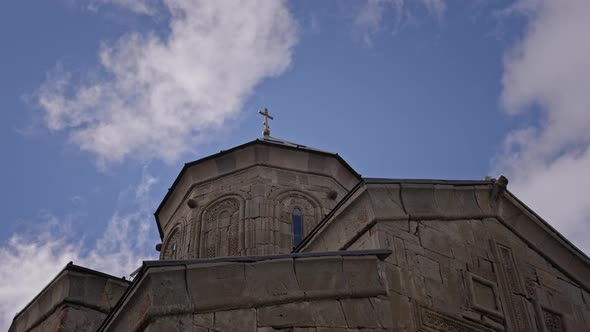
<point>261,197</point>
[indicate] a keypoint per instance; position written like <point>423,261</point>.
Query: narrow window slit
<point>297,218</point>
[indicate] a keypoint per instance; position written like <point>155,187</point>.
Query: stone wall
<point>294,160</point>
<point>464,260</point>
<point>70,318</point>
<point>247,213</point>
<point>78,299</point>
<point>318,292</point>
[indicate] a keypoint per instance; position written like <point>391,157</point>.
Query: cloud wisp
<point>31,260</point>
<point>548,71</point>
<point>158,97</point>
<point>378,15</point>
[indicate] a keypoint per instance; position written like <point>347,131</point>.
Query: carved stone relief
<point>220,231</point>
<point>553,321</point>
<point>513,289</point>
<point>173,244</point>
<point>484,295</point>
<point>512,277</point>
<point>530,285</point>
<point>430,321</point>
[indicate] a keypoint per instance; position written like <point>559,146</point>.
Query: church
<point>276,236</point>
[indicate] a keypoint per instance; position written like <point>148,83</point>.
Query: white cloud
<point>436,8</point>
<point>377,15</point>
<point>520,7</point>
<point>146,7</point>
<point>159,97</point>
<point>31,260</point>
<point>369,19</point>
<point>548,72</point>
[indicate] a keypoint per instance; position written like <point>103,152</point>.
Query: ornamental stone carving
<point>220,229</point>
<point>553,321</point>
<point>430,321</point>
<point>513,288</point>
<point>172,246</point>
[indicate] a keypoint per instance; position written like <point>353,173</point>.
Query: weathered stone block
<point>484,200</point>
<point>216,285</point>
<point>165,290</point>
<point>481,235</point>
<point>204,319</point>
<point>586,317</point>
<point>399,251</point>
<point>73,318</point>
<point>328,314</point>
<point>413,285</point>
<point>447,200</point>
<point>321,276</point>
<point>572,292</point>
<point>137,308</point>
<point>285,315</point>
<point>253,207</point>
<point>272,281</point>
<point>286,177</point>
<point>419,200</point>
<point>332,329</point>
<point>360,313</point>
<point>382,307</point>
<point>429,268</point>
<point>225,163</point>
<point>386,201</point>
<point>468,202</point>
<point>413,249</point>
<point>236,320</point>
<point>367,241</point>
<point>363,277</point>
<point>272,329</point>
<point>435,240</point>
<point>173,323</point>
<point>402,311</point>
<point>394,278</point>
<point>547,279</point>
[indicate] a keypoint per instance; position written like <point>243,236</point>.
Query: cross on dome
<point>266,131</point>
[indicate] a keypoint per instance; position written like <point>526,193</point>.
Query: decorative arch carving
<point>173,244</point>
<point>220,228</point>
<point>287,202</point>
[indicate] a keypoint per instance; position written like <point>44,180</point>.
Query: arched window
<point>220,229</point>
<point>172,246</point>
<point>297,218</point>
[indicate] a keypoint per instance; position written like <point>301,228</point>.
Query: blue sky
<point>104,100</point>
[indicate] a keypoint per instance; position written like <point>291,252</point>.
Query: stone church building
<point>276,236</point>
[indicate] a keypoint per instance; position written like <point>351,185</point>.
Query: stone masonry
<point>375,255</point>
<point>463,259</point>
<point>78,299</point>
<point>330,292</point>
<point>241,202</point>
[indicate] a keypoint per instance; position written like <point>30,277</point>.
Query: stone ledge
<point>219,285</point>
<point>392,200</point>
<point>74,285</point>
<point>357,314</point>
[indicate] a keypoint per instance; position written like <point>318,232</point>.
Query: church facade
<point>276,236</point>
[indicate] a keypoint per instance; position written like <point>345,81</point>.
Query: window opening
<point>297,218</point>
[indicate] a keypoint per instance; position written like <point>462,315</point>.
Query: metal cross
<point>266,131</point>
